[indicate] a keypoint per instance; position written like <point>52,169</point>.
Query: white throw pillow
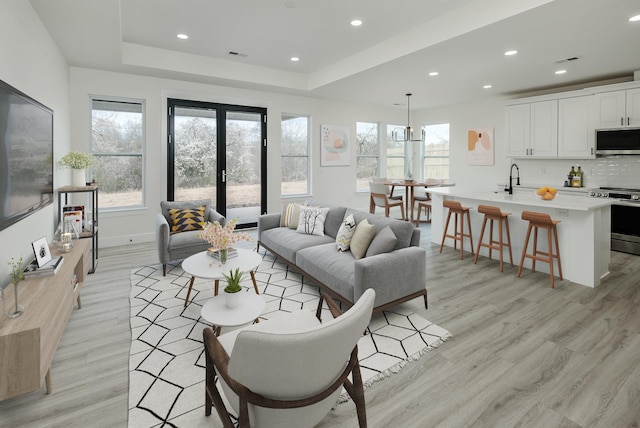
<point>311,221</point>
<point>362,238</point>
<point>345,233</point>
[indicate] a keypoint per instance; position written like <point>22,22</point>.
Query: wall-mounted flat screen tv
<point>26,155</point>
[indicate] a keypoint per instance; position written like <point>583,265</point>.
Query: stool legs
<point>459,213</point>
<point>542,256</point>
<point>493,244</point>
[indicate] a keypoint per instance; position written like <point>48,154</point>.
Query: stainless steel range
<point>625,217</point>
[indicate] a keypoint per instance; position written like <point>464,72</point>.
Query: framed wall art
<point>480,147</point>
<point>334,145</point>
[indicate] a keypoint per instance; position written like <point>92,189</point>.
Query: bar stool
<point>540,220</point>
<point>491,214</point>
<point>457,210</point>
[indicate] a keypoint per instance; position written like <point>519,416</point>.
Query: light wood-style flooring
<point>522,354</point>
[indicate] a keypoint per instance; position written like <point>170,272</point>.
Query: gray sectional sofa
<point>396,276</point>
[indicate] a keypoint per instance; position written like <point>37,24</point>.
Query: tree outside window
<point>436,151</point>
<point>117,142</point>
<point>295,155</point>
<point>368,154</point>
<point>396,157</point>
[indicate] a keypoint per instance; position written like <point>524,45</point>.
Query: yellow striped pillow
<point>183,220</point>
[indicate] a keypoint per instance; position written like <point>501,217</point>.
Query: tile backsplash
<point>609,171</point>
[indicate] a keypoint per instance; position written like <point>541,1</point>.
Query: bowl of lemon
<point>546,193</point>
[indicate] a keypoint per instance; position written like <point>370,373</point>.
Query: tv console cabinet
<point>28,343</point>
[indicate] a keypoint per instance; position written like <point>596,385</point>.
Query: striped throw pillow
<point>183,220</point>
<point>345,233</point>
<point>290,215</point>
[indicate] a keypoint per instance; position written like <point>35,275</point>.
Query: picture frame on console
<point>41,251</point>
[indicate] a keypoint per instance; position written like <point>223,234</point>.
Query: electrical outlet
<point>543,170</point>
<point>562,212</point>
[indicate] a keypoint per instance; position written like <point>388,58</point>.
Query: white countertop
<point>527,197</point>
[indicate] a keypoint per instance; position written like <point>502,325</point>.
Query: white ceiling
<point>391,54</point>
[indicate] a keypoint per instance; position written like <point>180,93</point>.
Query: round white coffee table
<point>201,265</point>
<point>216,313</point>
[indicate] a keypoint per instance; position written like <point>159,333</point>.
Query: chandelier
<point>406,134</point>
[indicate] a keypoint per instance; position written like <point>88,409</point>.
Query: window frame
<point>424,151</point>
<point>390,129</point>
<point>142,154</point>
<point>376,156</point>
<point>308,155</point>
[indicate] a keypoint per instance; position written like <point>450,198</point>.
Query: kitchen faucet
<point>510,188</point>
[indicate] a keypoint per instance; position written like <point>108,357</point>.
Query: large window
<point>436,151</point>
<point>396,156</point>
<point>368,153</point>
<point>295,155</point>
<point>117,141</point>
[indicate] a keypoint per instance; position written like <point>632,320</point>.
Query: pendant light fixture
<point>406,134</point>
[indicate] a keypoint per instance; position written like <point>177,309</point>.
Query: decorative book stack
<point>215,253</point>
<point>50,268</point>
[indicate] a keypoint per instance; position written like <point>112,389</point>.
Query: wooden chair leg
<point>506,222</point>
<point>470,234</point>
<point>484,224</point>
<point>446,228</point>
<point>524,250</point>
<point>462,237</point>
<point>550,249</point>
<point>555,234</point>
<point>164,269</point>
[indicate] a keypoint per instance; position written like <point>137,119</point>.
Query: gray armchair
<point>178,245</point>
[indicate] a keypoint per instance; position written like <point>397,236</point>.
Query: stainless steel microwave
<point>618,142</point>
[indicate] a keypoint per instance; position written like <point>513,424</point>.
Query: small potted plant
<point>233,288</point>
<point>78,162</point>
<point>15,276</point>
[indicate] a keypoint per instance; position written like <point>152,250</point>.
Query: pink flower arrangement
<point>222,238</point>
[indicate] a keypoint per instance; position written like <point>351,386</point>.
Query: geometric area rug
<point>166,361</point>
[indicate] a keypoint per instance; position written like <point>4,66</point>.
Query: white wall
<point>336,184</point>
<point>461,119</point>
<point>31,62</point>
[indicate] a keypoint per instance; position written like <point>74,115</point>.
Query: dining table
<point>409,190</point>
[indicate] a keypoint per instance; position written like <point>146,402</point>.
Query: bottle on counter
<point>575,180</point>
<point>581,175</point>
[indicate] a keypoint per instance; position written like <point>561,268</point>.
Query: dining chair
<point>423,197</point>
<point>390,189</point>
<point>379,198</point>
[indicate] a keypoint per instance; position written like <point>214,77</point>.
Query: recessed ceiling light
<point>433,73</point>
<point>635,18</point>
<point>512,52</point>
<point>487,87</point>
<point>295,59</point>
<point>561,71</point>
<point>356,22</point>
<point>182,36</point>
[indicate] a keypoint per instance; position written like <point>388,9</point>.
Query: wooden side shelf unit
<point>28,343</point>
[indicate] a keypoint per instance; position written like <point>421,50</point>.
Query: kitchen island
<point>584,233</point>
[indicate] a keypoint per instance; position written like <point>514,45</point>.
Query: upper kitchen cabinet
<point>532,129</point>
<point>618,109</point>
<point>575,128</point>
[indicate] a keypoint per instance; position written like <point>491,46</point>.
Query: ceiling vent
<point>232,53</point>
<point>570,59</point>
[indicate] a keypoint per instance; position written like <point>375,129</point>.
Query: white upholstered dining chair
<point>379,198</point>
<point>288,371</point>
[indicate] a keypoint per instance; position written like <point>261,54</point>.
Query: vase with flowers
<point>78,162</point>
<point>15,276</point>
<point>222,238</point>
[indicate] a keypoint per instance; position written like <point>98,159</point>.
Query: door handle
<point>224,175</point>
